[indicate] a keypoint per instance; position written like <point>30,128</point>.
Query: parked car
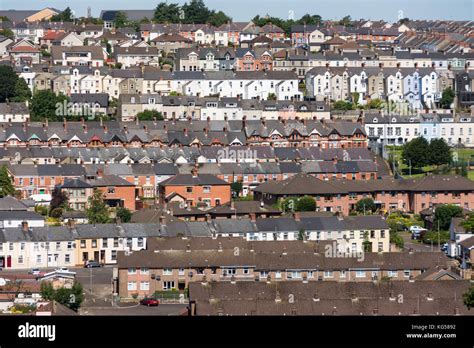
<point>417,229</point>
<point>92,264</point>
<point>148,301</point>
<point>35,272</point>
<point>417,232</point>
<point>63,269</point>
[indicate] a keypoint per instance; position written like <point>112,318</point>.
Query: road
<point>136,309</point>
<point>415,245</point>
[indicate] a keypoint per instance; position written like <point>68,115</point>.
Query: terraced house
<point>177,263</point>
<point>410,195</point>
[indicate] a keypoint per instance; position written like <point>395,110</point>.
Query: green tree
<point>167,13</point>
<point>124,214</point>
<point>64,16</point>
<point>468,224</point>
<point>346,21</point>
<point>236,188</point>
<point>311,19</point>
<point>301,234</point>
<point>365,205</point>
<point>71,298</point>
<point>6,185</point>
<point>433,237</point>
<point>443,215</point>
<point>342,105</point>
<point>7,33</point>
<point>439,152</point>
<point>98,211</point>
<point>22,91</point>
<point>196,12</point>
<point>288,204</point>
<point>272,96</point>
<point>218,18</point>
<point>447,98</point>
<point>375,104</point>
<point>306,203</point>
<point>8,82</point>
<point>396,239</point>
<point>120,20</point>
<point>150,115</point>
<point>468,298</point>
<point>404,20</point>
<point>46,290</point>
<point>416,153</point>
<point>46,104</point>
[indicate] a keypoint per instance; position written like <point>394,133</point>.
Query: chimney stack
<point>253,217</point>
<point>194,172</point>
<point>297,216</point>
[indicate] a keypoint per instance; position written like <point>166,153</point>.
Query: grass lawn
<point>464,155</point>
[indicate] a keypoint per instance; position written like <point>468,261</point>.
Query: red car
<point>149,302</point>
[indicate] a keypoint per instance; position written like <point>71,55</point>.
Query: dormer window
<point>464,119</point>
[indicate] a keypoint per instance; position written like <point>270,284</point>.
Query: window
<point>114,255</point>
<point>144,286</point>
<point>181,272</point>
<point>246,271</point>
<point>67,258</point>
<point>167,271</point>
<point>110,189</point>
<point>36,246</point>
<point>360,274</point>
<point>380,247</point>
<point>116,243</point>
<point>406,274</point>
<point>206,189</point>
<point>168,285</point>
<point>83,243</point>
<point>20,259</point>
<point>328,274</point>
<point>10,246</point>
<point>132,286</point>
<point>140,242</point>
<point>38,259</point>
<point>189,189</point>
<point>22,246</point>
<point>293,275</point>
<point>226,272</point>
<point>144,270</point>
<point>132,271</point>
<point>392,274</point>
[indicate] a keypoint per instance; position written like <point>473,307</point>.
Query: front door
<point>53,260</point>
